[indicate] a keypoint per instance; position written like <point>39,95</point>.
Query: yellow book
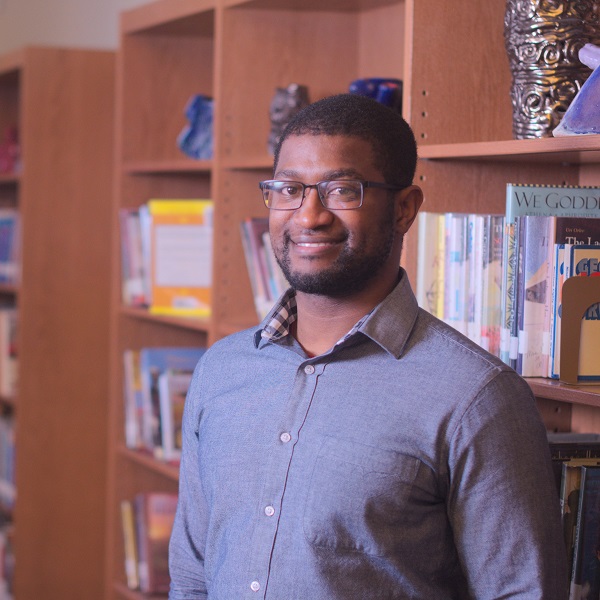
<point>181,257</point>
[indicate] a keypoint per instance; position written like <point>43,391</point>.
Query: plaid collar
<point>285,312</point>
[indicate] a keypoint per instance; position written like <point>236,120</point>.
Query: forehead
<point>326,155</point>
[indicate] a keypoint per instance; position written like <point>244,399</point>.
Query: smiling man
<point>352,446</point>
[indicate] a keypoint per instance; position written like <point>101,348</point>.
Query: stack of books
<point>499,278</point>
<point>166,252</point>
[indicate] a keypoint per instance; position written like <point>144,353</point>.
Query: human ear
<point>408,202</point>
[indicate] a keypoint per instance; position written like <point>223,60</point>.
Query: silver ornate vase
<point>543,39</point>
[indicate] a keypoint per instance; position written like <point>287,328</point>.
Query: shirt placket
<point>281,458</point>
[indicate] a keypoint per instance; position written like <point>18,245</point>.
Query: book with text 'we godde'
<point>531,200</point>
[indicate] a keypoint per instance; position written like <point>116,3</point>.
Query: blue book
<point>153,363</point>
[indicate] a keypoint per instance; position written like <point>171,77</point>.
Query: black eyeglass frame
<point>305,187</point>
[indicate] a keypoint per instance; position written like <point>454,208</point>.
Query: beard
<point>351,271</point>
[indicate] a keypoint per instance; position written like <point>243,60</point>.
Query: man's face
<point>333,253</point>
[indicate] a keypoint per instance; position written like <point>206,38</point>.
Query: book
<point>509,340</point>
<point>154,517</point>
<point>133,270</point>
<point>430,263</point>
<point>570,487</point>
<point>9,359</point>
<point>569,233</point>
<point>130,544</point>
<point>266,278</point>
<point>153,362</point>
<point>133,396</point>
<point>475,275</point>
<point>455,273</point>
<point>9,245</point>
<point>181,234</point>
<point>584,261</point>
<point>491,320</point>
<point>542,200</point>
<point>173,387</point>
<point>534,283</point>
<point>585,572</point>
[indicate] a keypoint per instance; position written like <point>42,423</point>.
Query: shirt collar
<point>389,324</point>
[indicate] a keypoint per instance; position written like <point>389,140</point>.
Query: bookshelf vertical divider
<point>456,96</point>
<point>62,102</point>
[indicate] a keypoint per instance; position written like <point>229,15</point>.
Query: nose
<point>312,213</point>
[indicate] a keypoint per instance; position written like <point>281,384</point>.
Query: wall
<point>83,23</point>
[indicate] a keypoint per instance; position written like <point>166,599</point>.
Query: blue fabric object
<point>405,462</point>
<point>196,139</point>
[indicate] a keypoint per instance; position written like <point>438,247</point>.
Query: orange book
<point>181,257</point>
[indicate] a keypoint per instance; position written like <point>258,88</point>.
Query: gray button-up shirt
<point>403,463</point>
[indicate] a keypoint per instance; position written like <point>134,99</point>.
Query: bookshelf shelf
<point>573,149</point>
<point>159,167</point>
<point>573,394</point>
<point>8,289</point>
<point>195,324</point>
<point>122,591</point>
<point>149,462</point>
<point>9,178</point>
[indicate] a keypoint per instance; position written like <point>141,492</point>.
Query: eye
<point>289,189</point>
<point>343,190</point>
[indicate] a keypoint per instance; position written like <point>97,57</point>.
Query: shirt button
<point>309,369</point>
<point>285,437</point>
<point>255,586</point>
<point>269,511</point>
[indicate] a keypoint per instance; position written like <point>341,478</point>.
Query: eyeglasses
<point>342,194</point>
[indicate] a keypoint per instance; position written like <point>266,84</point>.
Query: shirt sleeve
<point>186,548</point>
<point>503,501</point>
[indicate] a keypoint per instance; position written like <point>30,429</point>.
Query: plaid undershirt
<point>286,312</point>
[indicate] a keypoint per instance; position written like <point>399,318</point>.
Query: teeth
<point>312,244</point>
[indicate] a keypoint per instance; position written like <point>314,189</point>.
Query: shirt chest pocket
<point>357,498</point>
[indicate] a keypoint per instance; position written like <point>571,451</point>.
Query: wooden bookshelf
<point>62,101</point>
<point>456,96</point>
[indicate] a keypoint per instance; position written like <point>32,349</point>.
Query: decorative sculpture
<point>384,90</point>
<point>543,39</point>
<point>196,139</point>
<point>285,104</point>
<point>583,115</point>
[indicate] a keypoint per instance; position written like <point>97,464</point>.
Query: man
<point>352,446</point>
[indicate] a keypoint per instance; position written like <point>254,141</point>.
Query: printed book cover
<point>585,572</point>
<point>534,286</point>
<point>173,387</point>
<point>153,362</point>
<point>155,514</point>
<point>570,232</point>
<point>537,199</point>
<point>430,262</point>
<point>181,257</point>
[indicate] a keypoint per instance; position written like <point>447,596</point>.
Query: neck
<point>322,320</point>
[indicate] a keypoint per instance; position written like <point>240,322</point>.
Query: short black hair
<point>392,139</point>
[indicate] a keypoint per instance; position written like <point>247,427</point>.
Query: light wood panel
<point>65,105</point>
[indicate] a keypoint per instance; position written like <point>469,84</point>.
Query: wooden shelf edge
<point>149,462</point>
<point>161,13</point>
<point>124,592</point>
<point>255,163</point>
<point>12,62</point>
<point>159,167</point>
<point>196,324</point>
<point>10,178</point>
<point>9,288</point>
<point>552,389</point>
<point>582,148</point>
